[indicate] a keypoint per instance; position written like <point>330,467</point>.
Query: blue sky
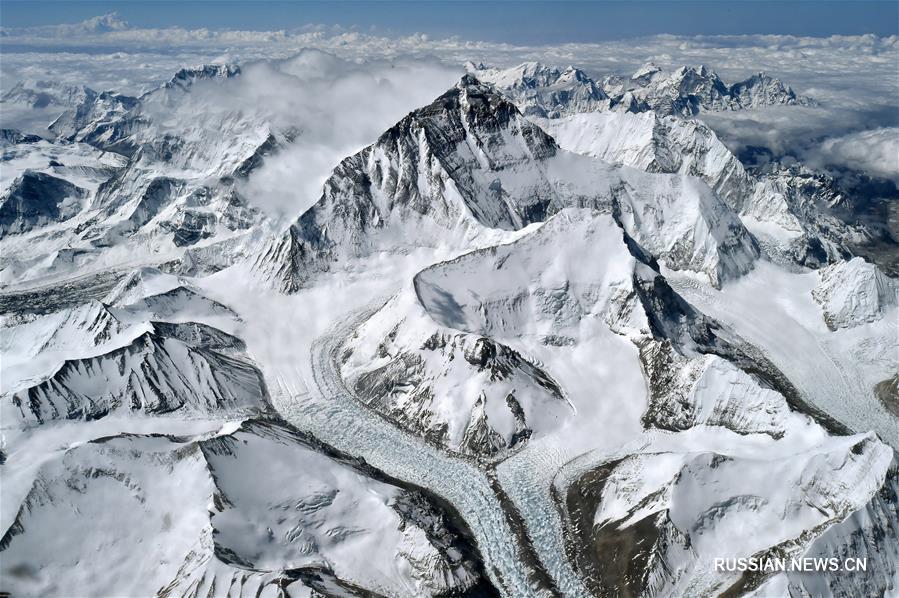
<point>514,22</point>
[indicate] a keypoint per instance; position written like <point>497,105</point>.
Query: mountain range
<point>545,335</point>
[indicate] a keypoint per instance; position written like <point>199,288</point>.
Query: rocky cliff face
<point>562,308</point>
<point>36,199</point>
<point>466,163</point>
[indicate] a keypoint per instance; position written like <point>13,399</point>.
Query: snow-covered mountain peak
<point>480,103</point>
<point>493,131</point>
<point>536,281</point>
<point>186,77</point>
<point>688,89</point>
<point>527,74</point>
<point>571,317</point>
<point>646,71</point>
<point>546,91</point>
<point>764,90</point>
<point>42,94</point>
<point>470,161</point>
<point>550,92</point>
<point>440,168</point>
<point>854,292</point>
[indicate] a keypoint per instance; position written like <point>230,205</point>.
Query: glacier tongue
<point>196,382</point>
<point>715,406</point>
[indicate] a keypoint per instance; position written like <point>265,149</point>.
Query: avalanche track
<point>330,411</point>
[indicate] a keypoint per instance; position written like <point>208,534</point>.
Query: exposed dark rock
<point>37,199</point>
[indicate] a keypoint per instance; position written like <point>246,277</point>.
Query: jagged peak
<point>187,76</point>
<point>468,80</point>
<point>764,80</point>
<point>478,103</point>
<point>648,68</point>
<point>577,74</point>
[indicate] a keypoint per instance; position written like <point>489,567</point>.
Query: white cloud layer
<point>337,106</point>
<point>855,78</point>
<point>875,152</point>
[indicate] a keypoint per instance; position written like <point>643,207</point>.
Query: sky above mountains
<point>507,22</point>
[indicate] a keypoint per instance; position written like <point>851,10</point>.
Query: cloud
<point>853,77</point>
<point>824,137</point>
<point>327,107</point>
<point>94,26</point>
<point>875,152</point>
<point>337,106</point>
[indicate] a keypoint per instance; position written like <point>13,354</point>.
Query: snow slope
<point>471,161</point>
<point>553,342</point>
<point>222,512</point>
<point>655,143</point>
<point>853,293</point>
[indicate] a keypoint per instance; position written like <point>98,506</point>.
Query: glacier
<point>545,335</point>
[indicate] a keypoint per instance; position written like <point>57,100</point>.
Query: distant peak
<point>187,76</point>
<point>649,68</point>
<point>104,24</point>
